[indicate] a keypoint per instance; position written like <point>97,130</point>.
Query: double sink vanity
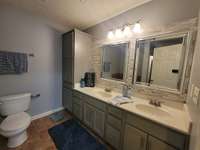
<point>137,124</point>
<point>158,65</point>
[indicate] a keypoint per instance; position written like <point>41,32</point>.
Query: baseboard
<point>47,113</point>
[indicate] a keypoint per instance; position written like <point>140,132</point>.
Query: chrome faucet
<point>126,90</point>
<point>155,103</point>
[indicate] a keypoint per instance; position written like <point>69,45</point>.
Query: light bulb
<point>119,33</point>
<point>110,35</point>
<point>127,31</point>
<point>137,28</point>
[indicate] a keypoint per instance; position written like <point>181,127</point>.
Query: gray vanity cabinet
<point>113,129</point>
<point>68,59</point>
<point>68,44</point>
<point>112,136</point>
<point>94,118</point>
<point>155,144</point>
<point>99,122</point>
<point>68,68</point>
<point>89,115</point>
<point>174,140</point>
<point>67,98</point>
<point>123,130</point>
<point>77,107</point>
<point>134,139</point>
<point>76,60</point>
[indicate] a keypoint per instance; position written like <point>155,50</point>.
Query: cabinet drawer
<point>95,103</point>
<point>114,122</point>
<point>78,94</point>
<point>115,111</point>
<point>165,134</point>
<point>113,137</point>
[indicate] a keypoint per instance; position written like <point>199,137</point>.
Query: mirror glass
<point>159,62</point>
<point>114,61</point>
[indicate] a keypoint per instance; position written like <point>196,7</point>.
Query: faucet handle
<point>152,101</point>
<point>158,103</point>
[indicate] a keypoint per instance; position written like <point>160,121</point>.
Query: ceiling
<point>76,13</point>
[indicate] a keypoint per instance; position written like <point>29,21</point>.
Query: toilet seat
<point>15,122</point>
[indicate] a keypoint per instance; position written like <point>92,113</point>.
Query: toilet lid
<point>15,122</point>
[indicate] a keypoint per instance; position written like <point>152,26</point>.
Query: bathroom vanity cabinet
<point>90,111</point>
<point>124,130</point>
<point>113,130</point>
<point>76,60</point>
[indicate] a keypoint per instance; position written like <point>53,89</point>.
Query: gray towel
<point>13,63</point>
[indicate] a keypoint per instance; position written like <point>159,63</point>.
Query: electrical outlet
<point>195,95</point>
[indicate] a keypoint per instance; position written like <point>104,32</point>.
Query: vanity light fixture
<point>110,35</point>
<point>137,27</point>
<point>127,31</point>
<point>119,33</point>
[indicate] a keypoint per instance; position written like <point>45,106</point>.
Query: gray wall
<point>22,32</point>
<point>194,109</point>
<point>153,14</point>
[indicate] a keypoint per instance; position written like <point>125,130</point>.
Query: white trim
<point>47,113</point>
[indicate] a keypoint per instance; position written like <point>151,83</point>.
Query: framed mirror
<point>114,61</point>
<point>160,62</point>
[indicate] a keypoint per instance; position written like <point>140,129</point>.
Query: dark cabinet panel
<point>89,115</point>
<point>113,136</point>
<point>68,71</point>
<point>99,121</point>
<point>68,45</point>
<point>134,139</point>
<point>67,99</point>
<point>67,68</point>
<point>155,144</point>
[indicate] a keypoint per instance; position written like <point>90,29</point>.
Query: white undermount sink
<point>152,110</point>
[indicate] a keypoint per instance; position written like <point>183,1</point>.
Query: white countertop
<point>174,118</point>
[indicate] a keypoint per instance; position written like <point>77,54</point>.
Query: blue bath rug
<point>71,136</point>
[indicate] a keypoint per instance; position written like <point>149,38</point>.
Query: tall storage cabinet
<point>76,60</point>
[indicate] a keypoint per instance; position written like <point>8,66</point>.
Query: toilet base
<point>17,139</point>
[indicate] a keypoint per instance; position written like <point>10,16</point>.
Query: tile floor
<point>39,138</point>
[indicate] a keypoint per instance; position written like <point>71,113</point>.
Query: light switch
<point>195,96</point>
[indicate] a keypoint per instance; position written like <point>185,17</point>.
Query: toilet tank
<point>13,104</point>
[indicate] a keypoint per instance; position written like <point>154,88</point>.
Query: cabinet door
<point>68,44</point>
<point>89,115</point>
<point>67,99</point>
<point>99,121</point>
<point>77,111</point>
<point>134,139</point>
<point>68,72</point>
<point>155,144</point>
<point>112,136</point>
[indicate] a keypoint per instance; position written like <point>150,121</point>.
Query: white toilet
<point>17,120</point>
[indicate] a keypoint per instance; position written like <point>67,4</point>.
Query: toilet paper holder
<point>35,96</point>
